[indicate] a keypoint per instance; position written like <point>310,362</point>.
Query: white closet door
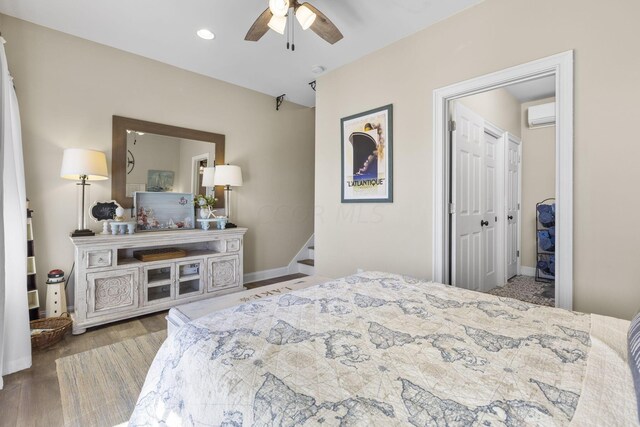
<point>467,189</point>
<point>513,200</point>
<point>489,207</point>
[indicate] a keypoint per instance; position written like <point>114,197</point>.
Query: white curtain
<point>15,341</point>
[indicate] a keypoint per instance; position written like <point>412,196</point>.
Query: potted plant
<point>206,204</point>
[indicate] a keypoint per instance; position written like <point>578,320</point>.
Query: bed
<point>378,349</point>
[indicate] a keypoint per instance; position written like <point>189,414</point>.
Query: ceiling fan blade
<point>260,27</point>
<point>323,26</point>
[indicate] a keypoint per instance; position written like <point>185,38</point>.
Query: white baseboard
<point>528,271</point>
<point>302,254</point>
<point>265,274</point>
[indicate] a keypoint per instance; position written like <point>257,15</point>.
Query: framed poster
<point>367,156</point>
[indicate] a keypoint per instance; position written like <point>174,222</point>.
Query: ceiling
<point>533,90</point>
<point>165,30</point>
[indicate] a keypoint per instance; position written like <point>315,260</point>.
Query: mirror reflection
<point>162,163</point>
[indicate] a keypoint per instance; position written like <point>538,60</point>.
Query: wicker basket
<point>57,328</point>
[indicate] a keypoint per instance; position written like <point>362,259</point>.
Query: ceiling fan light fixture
<point>278,23</point>
<point>279,7</point>
<point>305,17</point>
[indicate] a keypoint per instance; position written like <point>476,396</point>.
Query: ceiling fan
<point>275,17</point>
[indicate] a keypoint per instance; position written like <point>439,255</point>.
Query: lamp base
<point>82,233</point>
<point>230,225</point>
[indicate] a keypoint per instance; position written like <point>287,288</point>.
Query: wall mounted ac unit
<point>542,115</point>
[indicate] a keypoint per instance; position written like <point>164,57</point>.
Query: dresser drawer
<point>233,245</point>
<point>99,259</point>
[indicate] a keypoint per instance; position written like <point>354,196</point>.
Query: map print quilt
<point>374,349</point>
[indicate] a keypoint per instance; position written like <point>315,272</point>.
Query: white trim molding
<point>256,276</point>
<point>560,66</point>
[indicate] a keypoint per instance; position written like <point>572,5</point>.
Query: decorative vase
<point>204,213</point>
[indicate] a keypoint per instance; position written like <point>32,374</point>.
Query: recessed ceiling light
<point>318,69</point>
<point>206,34</point>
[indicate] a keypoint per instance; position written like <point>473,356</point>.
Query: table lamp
<point>83,165</point>
<point>228,176</point>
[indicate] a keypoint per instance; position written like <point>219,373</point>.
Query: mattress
<point>383,349</point>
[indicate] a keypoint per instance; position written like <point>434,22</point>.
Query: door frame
<point>561,67</point>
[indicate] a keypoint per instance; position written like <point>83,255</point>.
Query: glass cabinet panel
<point>158,293</point>
<point>190,269</point>
<point>189,287</point>
<point>158,275</point>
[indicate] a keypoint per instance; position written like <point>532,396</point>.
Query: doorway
<point>485,247</point>
<point>198,164</point>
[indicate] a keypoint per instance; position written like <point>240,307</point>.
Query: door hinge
<point>452,125</point>
<point>518,254</point>
<point>452,208</point>
<point>518,206</point>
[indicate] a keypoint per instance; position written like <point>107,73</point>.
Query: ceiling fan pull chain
<point>293,37</point>
<point>288,34</point>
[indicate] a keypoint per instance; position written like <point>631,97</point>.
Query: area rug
<point>100,387</point>
<point>524,288</point>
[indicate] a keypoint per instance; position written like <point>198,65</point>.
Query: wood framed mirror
<point>149,155</point>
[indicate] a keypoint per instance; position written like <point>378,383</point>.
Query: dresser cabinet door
<point>189,279</point>
<point>158,283</point>
<point>112,292</point>
<point>224,272</point>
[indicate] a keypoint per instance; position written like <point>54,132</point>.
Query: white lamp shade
<point>77,162</point>
<point>208,175</point>
<point>278,23</point>
<point>305,17</point>
<point>228,175</point>
<point>279,7</point>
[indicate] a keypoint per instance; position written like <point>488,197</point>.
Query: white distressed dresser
<point>111,284</point>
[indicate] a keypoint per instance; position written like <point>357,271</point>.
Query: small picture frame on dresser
<point>103,211</point>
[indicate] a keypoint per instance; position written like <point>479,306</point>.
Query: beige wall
<point>68,90</point>
<point>538,177</point>
<point>398,236</point>
<point>498,107</point>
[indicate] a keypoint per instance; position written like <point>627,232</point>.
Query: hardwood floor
<point>273,281</point>
<point>32,397</point>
